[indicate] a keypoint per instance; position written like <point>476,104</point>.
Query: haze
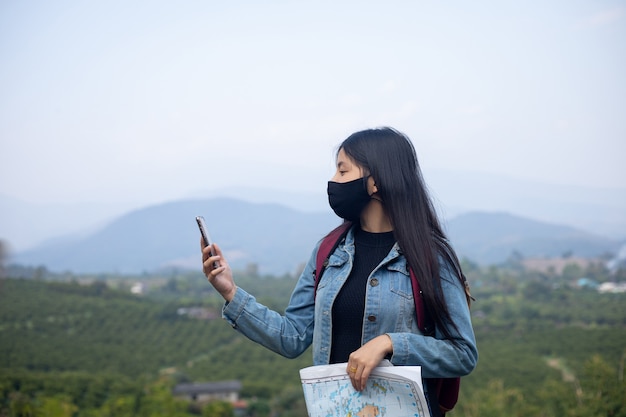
<point>135,103</point>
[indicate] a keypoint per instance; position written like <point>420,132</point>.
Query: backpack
<point>441,391</point>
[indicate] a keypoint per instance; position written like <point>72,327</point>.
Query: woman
<point>363,310</point>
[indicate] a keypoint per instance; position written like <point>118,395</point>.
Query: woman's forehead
<point>343,158</point>
<point>345,162</point>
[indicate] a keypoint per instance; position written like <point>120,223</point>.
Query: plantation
<point>94,349</point>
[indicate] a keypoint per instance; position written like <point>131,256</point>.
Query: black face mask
<point>348,199</point>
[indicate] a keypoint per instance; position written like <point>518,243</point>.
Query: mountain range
<point>279,239</point>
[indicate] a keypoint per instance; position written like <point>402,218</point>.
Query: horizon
<point>84,219</point>
<point>165,236</point>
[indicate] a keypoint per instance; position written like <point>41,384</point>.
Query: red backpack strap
<point>327,247</point>
<point>442,391</point>
<point>419,302</point>
<point>448,393</point>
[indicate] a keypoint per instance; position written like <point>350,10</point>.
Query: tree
<point>259,408</point>
<point>218,409</point>
<point>21,405</point>
<point>495,401</point>
<point>3,257</point>
<point>290,402</point>
<point>572,271</point>
<point>558,398</point>
<point>537,291</point>
<point>158,401</point>
<point>603,390</point>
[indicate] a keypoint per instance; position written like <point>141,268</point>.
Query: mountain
<point>279,239</point>
<point>490,238</point>
<point>24,225</point>
<point>600,210</point>
<point>275,237</point>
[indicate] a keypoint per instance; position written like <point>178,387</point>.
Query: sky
<point>148,101</point>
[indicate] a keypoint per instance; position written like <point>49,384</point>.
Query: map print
<point>384,396</point>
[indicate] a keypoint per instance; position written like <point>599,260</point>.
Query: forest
<point>85,346</point>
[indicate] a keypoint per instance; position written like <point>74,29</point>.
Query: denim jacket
<point>389,309</point>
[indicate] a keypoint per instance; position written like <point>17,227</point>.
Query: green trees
<point>218,409</point>
<point>598,392</point>
<point>602,389</point>
<point>88,350</point>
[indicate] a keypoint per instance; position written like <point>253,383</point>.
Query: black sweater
<point>349,306</point>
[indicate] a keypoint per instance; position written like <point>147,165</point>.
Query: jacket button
<point>374,282</point>
<point>371,318</point>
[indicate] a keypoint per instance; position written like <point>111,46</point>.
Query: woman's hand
<point>363,360</point>
<point>218,271</point>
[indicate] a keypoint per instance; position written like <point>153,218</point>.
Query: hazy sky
<point>147,101</point>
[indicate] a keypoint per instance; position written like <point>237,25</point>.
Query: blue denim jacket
<point>389,309</point>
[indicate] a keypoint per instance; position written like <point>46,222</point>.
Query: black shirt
<point>349,306</point>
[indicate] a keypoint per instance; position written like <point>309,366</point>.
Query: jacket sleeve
<point>288,335</point>
<point>441,358</point>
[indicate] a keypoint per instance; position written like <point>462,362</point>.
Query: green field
<point>93,349</point>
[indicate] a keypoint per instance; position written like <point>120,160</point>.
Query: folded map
<point>392,391</point>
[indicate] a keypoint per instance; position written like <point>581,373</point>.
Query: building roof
<point>208,387</point>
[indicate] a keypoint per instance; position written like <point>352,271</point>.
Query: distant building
<point>209,391</point>
<point>587,283</point>
<point>612,287</point>
<point>197,313</point>
<point>138,288</point>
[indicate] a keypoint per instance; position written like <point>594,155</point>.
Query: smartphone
<point>205,236</point>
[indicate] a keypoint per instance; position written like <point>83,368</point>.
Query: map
<point>390,391</point>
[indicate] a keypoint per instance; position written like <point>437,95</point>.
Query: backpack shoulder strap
<point>441,391</point>
<point>419,303</point>
<point>423,323</point>
<point>327,247</point>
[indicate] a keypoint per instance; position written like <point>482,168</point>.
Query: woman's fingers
<point>352,373</point>
<point>217,271</point>
<point>358,376</point>
<point>211,259</point>
<point>363,360</point>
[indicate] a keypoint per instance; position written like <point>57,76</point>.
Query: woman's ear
<point>371,186</point>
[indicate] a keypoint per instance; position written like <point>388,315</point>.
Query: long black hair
<point>390,158</point>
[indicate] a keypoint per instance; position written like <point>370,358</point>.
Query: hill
<point>275,237</point>
<point>279,239</point>
<point>490,238</point>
